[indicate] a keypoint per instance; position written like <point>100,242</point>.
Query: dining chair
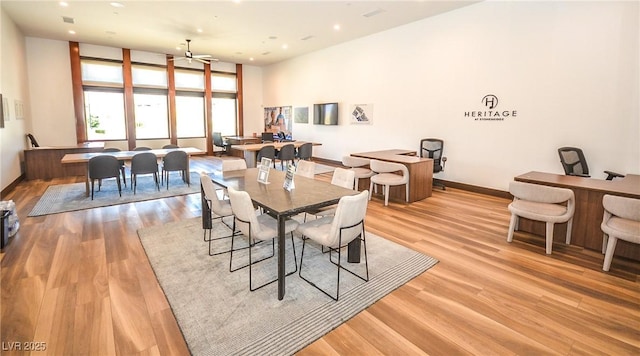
<point>256,228</point>
<point>305,151</point>
<point>142,148</point>
<point>341,177</point>
<point>103,167</point>
<point>386,176</point>
<point>336,232</point>
<point>541,203</point>
<point>175,161</point>
<point>306,169</point>
<point>144,163</point>
<point>215,209</point>
<point>287,153</point>
<point>122,163</point>
<point>359,166</point>
<point>268,151</point>
<point>170,146</point>
<point>621,221</point>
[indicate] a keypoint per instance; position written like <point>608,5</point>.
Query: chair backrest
<point>104,166</point>
<point>142,148</point>
<point>144,162</point>
<point>210,193</point>
<point>243,210</point>
<point>287,152</point>
<point>626,208</point>
<point>267,137</point>
<point>111,149</point>
<point>305,151</point>
<point>306,169</point>
<point>573,161</point>
<point>217,139</point>
<point>351,210</point>
<point>33,141</point>
<point>352,162</point>
<point>344,178</point>
<point>268,151</point>
<point>540,193</point>
<point>433,148</point>
<point>233,164</point>
<point>176,160</point>
<point>388,167</point>
<point>170,146</point>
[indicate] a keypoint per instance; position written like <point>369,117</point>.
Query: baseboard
<point>11,186</point>
<point>456,185</point>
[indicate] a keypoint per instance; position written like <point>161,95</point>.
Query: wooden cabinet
<point>44,162</point>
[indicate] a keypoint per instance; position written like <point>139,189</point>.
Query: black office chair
<point>33,141</point>
<point>267,137</point>
<point>575,164</point>
<point>434,148</point>
<point>218,141</point>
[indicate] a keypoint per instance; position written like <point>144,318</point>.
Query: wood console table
<point>587,217</point>
<point>44,162</point>
<point>420,173</point>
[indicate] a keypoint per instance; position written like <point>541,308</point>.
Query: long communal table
<point>250,151</point>
<point>74,158</point>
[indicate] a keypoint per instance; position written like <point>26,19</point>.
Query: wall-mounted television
<point>325,114</point>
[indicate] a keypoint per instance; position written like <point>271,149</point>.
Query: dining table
<point>281,203</point>
<point>72,158</point>
<point>250,151</point>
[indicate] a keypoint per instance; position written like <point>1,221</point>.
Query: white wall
<point>570,69</point>
<point>252,96</point>
<point>13,86</point>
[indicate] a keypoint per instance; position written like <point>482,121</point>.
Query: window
<point>149,76</point>
<point>104,113</point>
<point>189,80</point>
<point>224,82</point>
<point>224,114</point>
<point>151,114</point>
<point>103,100</point>
<point>190,115</point>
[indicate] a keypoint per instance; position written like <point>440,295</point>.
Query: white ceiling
<point>232,31</point>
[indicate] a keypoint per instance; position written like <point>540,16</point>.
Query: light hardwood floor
<point>81,282</point>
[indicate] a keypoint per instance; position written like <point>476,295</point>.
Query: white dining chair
<point>359,166</point>
<point>386,176</point>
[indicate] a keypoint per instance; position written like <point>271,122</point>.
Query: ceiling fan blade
<point>177,58</point>
<point>201,60</point>
<point>201,56</point>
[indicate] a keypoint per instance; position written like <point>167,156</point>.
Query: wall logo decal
<point>490,102</point>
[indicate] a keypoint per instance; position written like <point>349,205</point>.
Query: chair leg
<point>92,181</point>
<point>608,257</point>
<point>370,189</point>
<point>386,195</point>
<point>406,193</point>
<point>569,228</point>
<point>355,183</point>
<point>512,227</point>
<point>605,239</point>
<point>134,182</point>
<point>119,186</point>
<point>549,237</point>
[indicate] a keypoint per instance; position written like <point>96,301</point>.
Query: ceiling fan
<point>189,56</point>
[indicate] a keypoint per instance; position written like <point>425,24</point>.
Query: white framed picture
<point>362,114</point>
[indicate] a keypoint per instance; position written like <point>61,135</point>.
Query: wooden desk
<point>587,217</point>
<point>420,173</point>
<point>83,158</point>
<point>44,162</point>
<point>282,204</point>
<point>250,151</point>
<point>242,140</point>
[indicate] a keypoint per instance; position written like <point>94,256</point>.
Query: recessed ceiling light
<point>199,30</point>
<point>63,3</point>
<point>116,4</point>
<point>285,46</point>
<point>178,48</point>
<point>251,59</point>
<point>336,27</point>
<point>72,32</point>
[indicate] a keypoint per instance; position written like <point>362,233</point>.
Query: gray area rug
<point>70,197</point>
<point>217,313</point>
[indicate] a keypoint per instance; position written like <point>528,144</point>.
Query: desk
<point>420,173</point>
<point>282,204</point>
<point>44,162</point>
<point>587,217</point>
<point>242,140</point>
<point>250,151</point>
<point>75,158</point>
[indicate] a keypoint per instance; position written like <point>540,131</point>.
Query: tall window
<point>190,118</point>
<point>150,101</point>
<point>224,103</point>
<point>103,100</point>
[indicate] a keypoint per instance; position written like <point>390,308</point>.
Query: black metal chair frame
<point>437,162</point>
<point>251,263</point>
<point>207,224</point>
<point>362,237</point>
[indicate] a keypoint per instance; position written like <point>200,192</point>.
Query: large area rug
<point>70,197</point>
<point>217,313</point>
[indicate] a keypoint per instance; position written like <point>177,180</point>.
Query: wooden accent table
<point>420,173</point>
<point>587,218</point>
<point>44,162</point>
